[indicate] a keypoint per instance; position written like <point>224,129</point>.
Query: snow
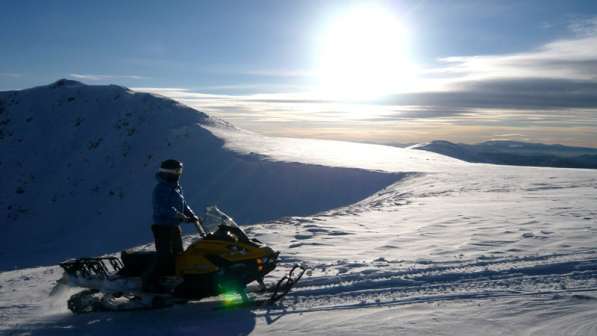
<point>334,153</point>
<point>441,247</point>
<point>78,162</point>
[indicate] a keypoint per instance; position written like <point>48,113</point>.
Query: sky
<point>391,72</point>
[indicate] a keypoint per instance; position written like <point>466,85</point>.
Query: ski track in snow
<point>451,281</point>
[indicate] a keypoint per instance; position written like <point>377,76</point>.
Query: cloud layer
<point>548,94</point>
<point>97,77</point>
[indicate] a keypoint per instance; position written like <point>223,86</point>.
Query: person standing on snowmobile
<point>169,210</point>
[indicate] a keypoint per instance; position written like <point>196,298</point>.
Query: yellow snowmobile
<point>223,260</point>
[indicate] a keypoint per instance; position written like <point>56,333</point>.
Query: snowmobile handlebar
<point>199,227</point>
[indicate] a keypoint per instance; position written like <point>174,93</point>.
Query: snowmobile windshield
<point>215,217</point>
<point>215,220</point>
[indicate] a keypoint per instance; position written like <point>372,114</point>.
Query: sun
<point>364,54</point>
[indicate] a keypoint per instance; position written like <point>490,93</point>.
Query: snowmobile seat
<point>136,263</point>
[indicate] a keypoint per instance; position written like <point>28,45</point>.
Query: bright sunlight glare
<point>363,55</point>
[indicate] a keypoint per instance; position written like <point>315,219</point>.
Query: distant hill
<point>516,153</point>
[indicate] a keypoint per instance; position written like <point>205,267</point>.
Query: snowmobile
<point>222,260</point>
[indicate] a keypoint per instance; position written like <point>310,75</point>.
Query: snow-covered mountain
<point>78,162</point>
<point>516,153</point>
<point>449,247</point>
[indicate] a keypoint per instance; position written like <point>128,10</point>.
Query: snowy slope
<point>78,162</point>
<point>451,248</point>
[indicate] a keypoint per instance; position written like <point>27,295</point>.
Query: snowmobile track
<point>481,279</point>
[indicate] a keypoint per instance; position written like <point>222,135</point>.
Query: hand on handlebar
<point>184,218</point>
<point>193,219</point>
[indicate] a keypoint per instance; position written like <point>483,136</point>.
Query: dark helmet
<point>173,167</point>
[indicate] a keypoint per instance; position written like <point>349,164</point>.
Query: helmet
<point>173,167</point>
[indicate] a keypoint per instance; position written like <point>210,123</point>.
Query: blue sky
<point>485,69</point>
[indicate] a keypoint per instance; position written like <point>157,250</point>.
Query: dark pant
<point>168,239</point>
<point>168,244</point>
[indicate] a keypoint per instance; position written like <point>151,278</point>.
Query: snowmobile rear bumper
<point>87,268</point>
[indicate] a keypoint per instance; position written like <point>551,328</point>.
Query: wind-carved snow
<point>449,248</point>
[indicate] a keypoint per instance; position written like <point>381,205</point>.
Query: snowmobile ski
<point>286,283</point>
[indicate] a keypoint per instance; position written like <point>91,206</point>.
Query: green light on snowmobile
<point>231,298</point>
<point>229,292</point>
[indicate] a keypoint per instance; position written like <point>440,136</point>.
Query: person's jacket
<point>168,201</point>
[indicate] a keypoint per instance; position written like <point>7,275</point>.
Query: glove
<point>181,217</point>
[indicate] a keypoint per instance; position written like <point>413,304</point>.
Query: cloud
<point>11,74</point>
<point>584,26</point>
<point>555,83</point>
<point>507,93</point>
<point>96,77</point>
<point>280,73</point>
<point>542,95</point>
<point>289,115</point>
<point>511,135</point>
<point>574,58</point>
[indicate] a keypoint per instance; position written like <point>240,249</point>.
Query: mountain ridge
<point>516,153</point>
